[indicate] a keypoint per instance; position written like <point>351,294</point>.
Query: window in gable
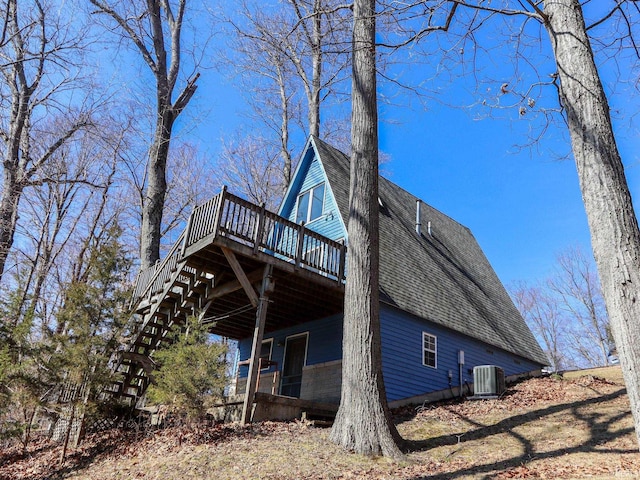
<point>429,350</point>
<point>310,204</point>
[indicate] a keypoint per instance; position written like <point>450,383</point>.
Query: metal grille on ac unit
<point>488,380</point>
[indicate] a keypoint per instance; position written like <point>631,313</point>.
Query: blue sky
<point>522,204</point>
<point>521,207</point>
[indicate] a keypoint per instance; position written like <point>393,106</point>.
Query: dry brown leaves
<point>300,451</point>
<point>533,393</point>
<point>559,471</point>
<point>42,459</point>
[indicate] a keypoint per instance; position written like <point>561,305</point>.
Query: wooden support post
<point>254,368</point>
<point>343,260</point>
<point>232,285</point>
<point>259,229</point>
<point>187,232</point>
<point>218,213</point>
<point>203,311</point>
<point>300,245</point>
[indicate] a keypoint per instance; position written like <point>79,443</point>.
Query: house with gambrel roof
<point>443,309</point>
<point>275,283</point>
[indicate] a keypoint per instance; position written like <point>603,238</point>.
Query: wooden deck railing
<point>151,281</point>
<point>251,225</point>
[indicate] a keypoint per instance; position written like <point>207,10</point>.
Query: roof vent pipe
<point>418,224</point>
<point>429,228</point>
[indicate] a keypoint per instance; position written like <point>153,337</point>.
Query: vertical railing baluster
<point>230,219</point>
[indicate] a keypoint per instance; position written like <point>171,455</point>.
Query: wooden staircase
<point>173,292</point>
<point>219,233</point>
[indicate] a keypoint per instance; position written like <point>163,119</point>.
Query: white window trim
<point>270,342</point>
<point>284,354</point>
<point>310,203</point>
<point>424,349</point>
<point>306,347</point>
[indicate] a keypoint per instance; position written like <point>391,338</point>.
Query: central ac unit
<point>488,380</point>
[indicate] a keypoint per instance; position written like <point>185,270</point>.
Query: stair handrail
<point>160,267</point>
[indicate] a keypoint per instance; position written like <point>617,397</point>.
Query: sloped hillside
<point>578,427</point>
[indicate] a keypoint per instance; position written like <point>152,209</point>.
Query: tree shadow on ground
<point>599,428</point>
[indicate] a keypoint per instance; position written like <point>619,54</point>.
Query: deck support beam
<point>242,277</point>
<point>261,316</point>
<point>232,285</point>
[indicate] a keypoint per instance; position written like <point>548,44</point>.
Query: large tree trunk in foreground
<point>615,237</point>
<point>363,423</point>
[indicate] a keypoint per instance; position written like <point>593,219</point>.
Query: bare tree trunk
<point>312,86</point>
<point>363,424</point>
<point>153,205</point>
<point>154,198</point>
<point>11,193</point>
<point>615,236</point>
<point>542,314</point>
<point>28,414</point>
<point>30,59</point>
<point>162,54</point>
<point>21,93</point>
<point>316,59</point>
<point>67,434</point>
<point>580,294</point>
<point>284,130</point>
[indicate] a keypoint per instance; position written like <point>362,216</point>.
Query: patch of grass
<point>611,374</point>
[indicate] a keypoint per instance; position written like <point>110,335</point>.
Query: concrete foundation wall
<point>322,382</point>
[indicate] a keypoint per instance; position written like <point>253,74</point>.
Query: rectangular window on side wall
<point>429,350</point>
<point>265,353</point>
<point>310,204</point>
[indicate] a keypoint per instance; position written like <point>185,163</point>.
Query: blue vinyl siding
<point>402,348</point>
<point>309,174</point>
<point>324,345</point>
<point>405,375</point>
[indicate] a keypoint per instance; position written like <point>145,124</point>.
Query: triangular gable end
<point>294,185</point>
<point>308,175</point>
<point>440,275</point>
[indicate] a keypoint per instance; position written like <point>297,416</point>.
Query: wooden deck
<point>274,407</point>
<point>213,272</point>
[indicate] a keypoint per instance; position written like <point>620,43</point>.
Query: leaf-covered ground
<point>579,427</point>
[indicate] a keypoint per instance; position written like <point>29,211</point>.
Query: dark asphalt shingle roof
<point>444,276</point>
